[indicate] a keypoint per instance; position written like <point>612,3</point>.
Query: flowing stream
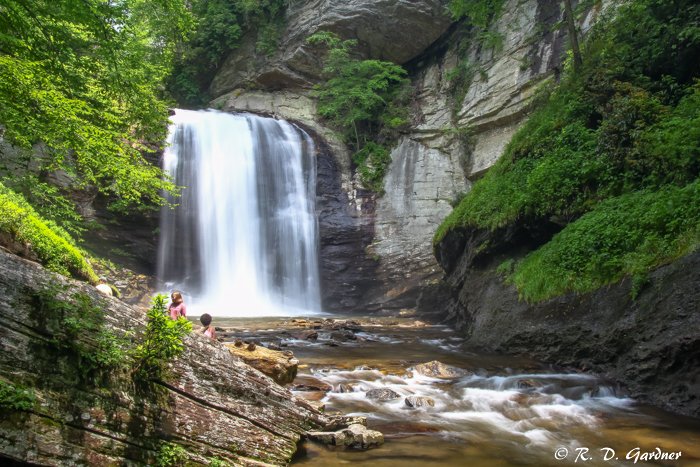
<point>507,411</point>
<point>243,239</point>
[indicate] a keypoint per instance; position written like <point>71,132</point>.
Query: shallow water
<point>509,410</point>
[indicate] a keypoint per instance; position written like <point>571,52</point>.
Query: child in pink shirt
<point>177,306</point>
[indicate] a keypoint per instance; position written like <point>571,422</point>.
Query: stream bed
<point>503,411</point>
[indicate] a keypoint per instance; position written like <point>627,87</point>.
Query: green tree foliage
<point>366,100</point>
<point>162,341</point>
<point>54,247</point>
<point>360,97</point>
<point>84,78</point>
<point>625,128</point>
<point>221,24</point>
<point>479,13</point>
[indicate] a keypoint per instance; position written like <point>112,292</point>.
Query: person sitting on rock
<point>104,288</point>
<point>177,308</point>
<point>208,330</point>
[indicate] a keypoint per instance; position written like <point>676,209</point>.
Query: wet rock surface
<point>382,394</point>
<point>419,401</point>
<point>347,432</point>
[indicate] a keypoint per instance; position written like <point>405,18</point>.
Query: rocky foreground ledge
<point>213,407</point>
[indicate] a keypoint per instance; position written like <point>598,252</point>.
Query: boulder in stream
<point>307,335</point>
<point>419,401</point>
<point>309,383</point>
<point>382,394</point>
<point>355,436</point>
<point>279,366</point>
<point>437,369</point>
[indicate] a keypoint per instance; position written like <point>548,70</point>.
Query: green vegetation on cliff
<point>54,247</point>
<point>15,398</point>
<point>366,101</point>
<point>79,329</point>
<point>612,155</point>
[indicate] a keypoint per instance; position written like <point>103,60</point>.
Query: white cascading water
<point>244,239</point>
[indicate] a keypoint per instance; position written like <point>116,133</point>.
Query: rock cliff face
<point>395,30</point>
<point>213,406</point>
<point>449,144</point>
<point>453,143</point>
<point>649,344</point>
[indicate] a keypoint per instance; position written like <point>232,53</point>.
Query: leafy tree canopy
<point>84,78</point>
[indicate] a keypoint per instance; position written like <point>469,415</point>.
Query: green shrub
<point>15,398</point>
<point>162,341</point>
<point>52,245</point>
<point>171,455</point>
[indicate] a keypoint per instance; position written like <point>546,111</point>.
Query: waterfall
<point>243,240</point>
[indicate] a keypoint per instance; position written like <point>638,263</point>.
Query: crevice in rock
<point>223,410</point>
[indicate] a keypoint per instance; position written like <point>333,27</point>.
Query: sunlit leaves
<point>85,78</point>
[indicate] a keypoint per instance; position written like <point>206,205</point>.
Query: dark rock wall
<point>650,344</point>
<point>213,406</point>
<point>348,272</point>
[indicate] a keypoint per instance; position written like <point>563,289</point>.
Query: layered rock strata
<point>213,406</point>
